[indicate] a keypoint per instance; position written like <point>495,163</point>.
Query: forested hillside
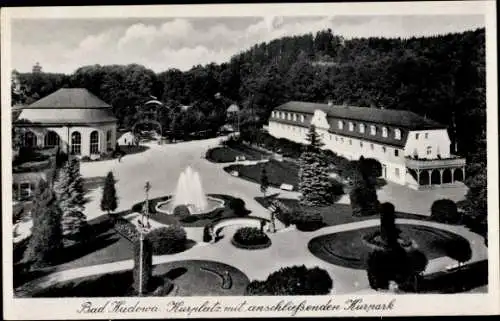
<point>438,77</point>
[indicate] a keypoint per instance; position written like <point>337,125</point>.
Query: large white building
<point>72,118</point>
<point>413,150</point>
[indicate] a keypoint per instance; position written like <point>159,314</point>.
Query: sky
<point>63,45</point>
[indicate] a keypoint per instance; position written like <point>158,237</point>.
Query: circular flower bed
<point>250,238</point>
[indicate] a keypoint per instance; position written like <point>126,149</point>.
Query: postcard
<point>257,160</point>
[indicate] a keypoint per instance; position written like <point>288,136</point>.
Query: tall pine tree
<point>71,197</point>
<point>109,201</point>
<point>46,234</point>
<point>315,184</point>
<point>313,139</point>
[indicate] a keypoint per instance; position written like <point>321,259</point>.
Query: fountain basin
<point>168,206</point>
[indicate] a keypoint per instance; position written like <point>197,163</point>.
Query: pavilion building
<point>73,119</point>
<point>413,150</point>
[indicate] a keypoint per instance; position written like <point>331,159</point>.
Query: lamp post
<point>143,230</point>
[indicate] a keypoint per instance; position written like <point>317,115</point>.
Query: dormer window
<point>373,130</point>
<point>302,118</point>
<point>340,124</point>
<point>362,128</point>
<point>351,126</point>
<point>384,131</point>
<point>397,133</point>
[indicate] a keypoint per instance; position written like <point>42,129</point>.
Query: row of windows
<point>373,129</point>
<point>288,116</point>
<point>53,139</point>
<point>340,124</point>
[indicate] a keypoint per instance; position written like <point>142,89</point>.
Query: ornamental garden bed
<point>349,249</point>
<point>226,154</point>
<point>183,278</point>
<point>278,173</point>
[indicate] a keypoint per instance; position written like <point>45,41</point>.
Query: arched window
<point>397,133</point>
<point>340,124</point>
<point>362,128</point>
<point>76,143</point>
<point>108,139</point>
<point>30,139</point>
<point>373,130</point>
<point>302,118</point>
<point>94,142</point>
<point>294,117</point>
<point>351,126</point>
<point>51,139</point>
<point>384,131</point>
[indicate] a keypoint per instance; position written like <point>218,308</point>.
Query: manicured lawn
<point>226,154</point>
<point>105,246</point>
<point>278,172</point>
<point>348,249</point>
<point>191,278</point>
<point>334,214</point>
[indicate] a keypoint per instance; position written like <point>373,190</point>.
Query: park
<point>220,236</point>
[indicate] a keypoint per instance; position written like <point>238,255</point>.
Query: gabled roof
<point>399,118</point>
<point>70,98</point>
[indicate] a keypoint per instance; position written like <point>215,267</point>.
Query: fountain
<point>189,192</point>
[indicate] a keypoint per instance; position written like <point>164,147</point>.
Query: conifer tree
<point>313,139</point>
<point>109,200</point>
<point>314,181</point>
<point>46,235</point>
<point>70,194</point>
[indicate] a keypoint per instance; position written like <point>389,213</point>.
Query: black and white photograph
<point>292,163</point>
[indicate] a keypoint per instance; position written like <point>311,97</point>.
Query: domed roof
<point>68,106</point>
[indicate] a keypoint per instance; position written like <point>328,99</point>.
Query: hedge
<point>167,240</point>
<point>181,212</point>
<point>295,280</point>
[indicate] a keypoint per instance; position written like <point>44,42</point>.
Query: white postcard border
<point>404,305</point>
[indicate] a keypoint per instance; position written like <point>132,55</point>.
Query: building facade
<point>413,150</point>
<point>73,119</point>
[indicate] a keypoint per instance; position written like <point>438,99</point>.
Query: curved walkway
<point>289,248</point>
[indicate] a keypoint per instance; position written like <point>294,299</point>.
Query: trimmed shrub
<point>307,221</point>
<point>445,211</point>
<point>295,280</point>
<point>167,240</point>
<point>250,236</point>
<point>181,211</point>
<point>237,205</point>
